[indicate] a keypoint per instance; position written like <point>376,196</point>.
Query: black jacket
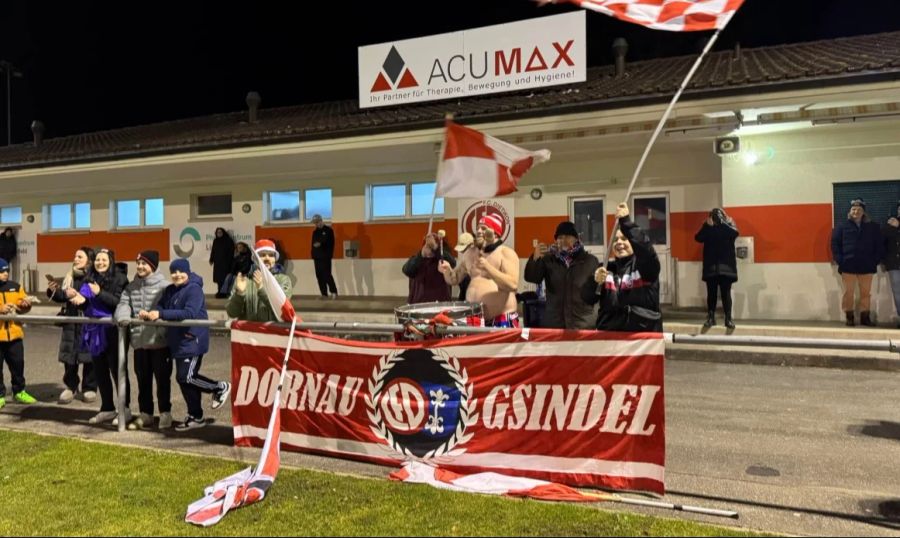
<point>8,248</point>
<point>629,299</point>
<point>70,341</point>
<point>426,284</point>
<point>857,249</point>
<point>891,236</point>
<point>565,307</point>
<point>325,237</point>
<point>719,261</point>
<point>220,256</point>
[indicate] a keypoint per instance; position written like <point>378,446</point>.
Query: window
<point>589,219</point>
<point>317,202</point>
<point>62,217</point>
<point>212,205</point>
<point>390,201</point>
<point>651,213</point>
<point>139,213</point>
<point>11,215</point>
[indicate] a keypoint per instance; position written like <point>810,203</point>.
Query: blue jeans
<point>895,287</point>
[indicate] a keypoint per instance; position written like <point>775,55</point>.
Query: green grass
<point>56,486</point>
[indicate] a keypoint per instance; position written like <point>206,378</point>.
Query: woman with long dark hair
<point>719,263</point>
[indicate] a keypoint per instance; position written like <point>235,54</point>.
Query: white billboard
<point>546,51</point>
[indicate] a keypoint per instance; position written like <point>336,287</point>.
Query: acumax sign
<point>538,52</point>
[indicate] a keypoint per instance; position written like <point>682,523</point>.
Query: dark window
<point>213,204</point>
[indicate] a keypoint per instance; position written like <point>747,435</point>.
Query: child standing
<point>151,352</point>
<point>12,347</point>
<point>183,300</point>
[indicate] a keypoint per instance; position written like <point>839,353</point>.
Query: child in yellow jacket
<point>12,348</point>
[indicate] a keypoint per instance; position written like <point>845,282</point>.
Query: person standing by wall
<point>857,247</point>
<point>9,248</point>
<point>566,267</point>
<point>322,253</point>
<point>220,257</point>
<point>891,233</point>
<point>719,263</point>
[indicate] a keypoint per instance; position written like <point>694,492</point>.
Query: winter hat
<point>494,222</point>
<point>150,257</point>
<point>566,228</point>
<point>268,245</point>
<point>181,265</point>
<point>4,265</point>
<point>465,239</point>
<point>858,202</point>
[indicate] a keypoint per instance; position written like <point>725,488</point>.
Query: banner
<point>581,408</point>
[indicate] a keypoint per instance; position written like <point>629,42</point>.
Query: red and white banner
<point>476,165</point>
<point>579,408</point>
<point>671,15</point>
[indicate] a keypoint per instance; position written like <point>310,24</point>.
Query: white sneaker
<point>102,416</point>
<point>115,421</point>
<point>66,397</point>
<point>141,422</point>
<point>89,396</point>
<point>165,421</point>
<point>220,397</point>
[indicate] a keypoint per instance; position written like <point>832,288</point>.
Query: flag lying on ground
<point>493,484</point>
<point>671,15</point>
<point>475,165</point>
<point>281,304</point>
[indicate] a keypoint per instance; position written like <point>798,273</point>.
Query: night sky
<point>91,65</point>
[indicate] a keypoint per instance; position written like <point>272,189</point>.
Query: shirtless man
<point>494,272</point>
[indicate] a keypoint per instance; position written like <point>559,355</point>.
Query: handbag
<point>640,319</point>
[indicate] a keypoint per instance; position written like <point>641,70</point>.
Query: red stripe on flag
<point>464,142</point>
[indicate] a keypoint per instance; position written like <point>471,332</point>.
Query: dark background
<point>95,65</point>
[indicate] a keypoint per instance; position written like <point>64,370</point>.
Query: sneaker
<point>115,421</point>
<point>2,402</point>
<point>220,397</point>
<point>89,396</point>
<point>66,397</point>
<point>165,421</point>
<point>24,398</point>
<point>190,423</point>
<point>141,422</point>
<point>103,416</point>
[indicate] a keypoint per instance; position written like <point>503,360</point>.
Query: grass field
<point>56,486</point>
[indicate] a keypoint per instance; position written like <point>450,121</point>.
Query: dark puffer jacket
<point>70,341</point>
<point>857,248</point>
<point>629,299</point>
<point>719,260</point>
<point>565,307</point>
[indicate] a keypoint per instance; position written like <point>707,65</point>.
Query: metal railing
<point>891,346</point>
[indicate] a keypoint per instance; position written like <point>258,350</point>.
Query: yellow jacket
<point>11,293</point>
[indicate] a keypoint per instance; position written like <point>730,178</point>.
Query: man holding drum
<point>494,271</point>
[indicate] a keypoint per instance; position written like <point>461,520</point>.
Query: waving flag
<point>281,304</point>
<point>671,15</point>
<point>475,165</point>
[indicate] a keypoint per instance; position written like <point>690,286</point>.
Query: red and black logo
<point>398,75</point>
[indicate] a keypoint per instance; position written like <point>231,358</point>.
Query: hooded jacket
<point>719,259</point>
<point>143,294</point>
<point>180,303</point>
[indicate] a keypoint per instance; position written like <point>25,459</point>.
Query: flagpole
<point>276,405</point>
<point>448,117</point>
<point>659,128</point>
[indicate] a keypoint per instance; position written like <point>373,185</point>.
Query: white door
<point>651,213</point>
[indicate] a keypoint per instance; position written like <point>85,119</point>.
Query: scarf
<point>93,337</point>
<point>566,256</point>
<point>71,276</point>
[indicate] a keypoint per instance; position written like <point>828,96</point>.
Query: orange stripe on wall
<point>798,233</point>
<point>683,228</point>
<point>56,248</point>
<point>530,228</point>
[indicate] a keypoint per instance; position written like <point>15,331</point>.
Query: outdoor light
<point>750,158</point>
<point>245,208</point>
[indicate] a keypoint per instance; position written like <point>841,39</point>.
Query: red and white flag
<point>475,165</point>
<point>493,484</point>
<point>281,303</point>
<point>671,15</point>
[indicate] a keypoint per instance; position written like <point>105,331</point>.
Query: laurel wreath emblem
<point>467,415</point>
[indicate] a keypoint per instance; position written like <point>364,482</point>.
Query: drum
<point>418,319</point>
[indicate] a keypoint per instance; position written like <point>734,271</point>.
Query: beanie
<point>494,222</point>
<point>858,202</point>
<point>180,265</point>
<point>566,228</point>
<point>266,244</point>
<point>4,265</point>
<point>150,257</point>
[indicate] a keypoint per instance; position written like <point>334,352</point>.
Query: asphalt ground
<point>793,450</point>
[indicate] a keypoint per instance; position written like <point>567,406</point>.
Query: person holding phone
<point>717,234</point>
<point>565,268</point>
<point>70,352</point>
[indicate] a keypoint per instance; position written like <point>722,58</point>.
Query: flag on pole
<point>493,484</point>
<point>475,165</point>
<point>671,15</point>
<point>281,303</point>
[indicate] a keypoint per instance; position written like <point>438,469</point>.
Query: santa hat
<point>267,245</point>
<point>494,222</point>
